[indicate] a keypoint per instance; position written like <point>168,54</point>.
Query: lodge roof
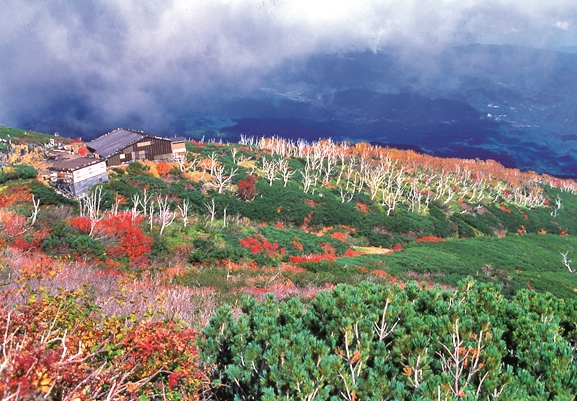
<point>113,142</point>
<point>75,164</point>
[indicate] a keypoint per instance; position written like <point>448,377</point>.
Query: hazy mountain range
<point>512,104</point>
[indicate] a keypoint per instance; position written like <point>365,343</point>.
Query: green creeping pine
<point>373,342</point>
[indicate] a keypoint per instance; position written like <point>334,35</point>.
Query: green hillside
<point>163,245</point>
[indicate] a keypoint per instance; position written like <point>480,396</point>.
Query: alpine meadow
<point>276,269</point>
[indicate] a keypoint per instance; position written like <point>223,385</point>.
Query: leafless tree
<point>90,207</point>
<point>184,207</point>
<point>345,195</point>
<point>246,140</point>
<point>567,262</point>
<point>221,179</point>
<point>308,178</point>
<point>213,163</point>
<point>165,215</point>
<point>462,362</point>
<point>558,206</point>
<point>35,204</point>
<point>285,172</point>
<point>117,201</point>
<point>151,214</point>
<point>269,170</point>
<point>238,158</point>
<point>185,164</point>
<point>143,202</point>
<point>211,209</point>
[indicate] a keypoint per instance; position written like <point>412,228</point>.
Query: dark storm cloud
<point>93,65</point>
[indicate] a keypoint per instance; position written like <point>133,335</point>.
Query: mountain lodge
<point>76,176</point>
<point>125,145</point>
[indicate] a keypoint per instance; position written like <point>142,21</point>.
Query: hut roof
<point>113,142</point>
<point>75,164</point>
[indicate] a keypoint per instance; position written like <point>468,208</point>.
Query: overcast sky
<point>134,60</point>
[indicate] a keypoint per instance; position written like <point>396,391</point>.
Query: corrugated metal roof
<point>113,142</point>
<point>75,164</point>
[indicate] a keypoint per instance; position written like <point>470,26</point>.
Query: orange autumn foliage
<point>163,168</point>
<point>340,236</point>
<point>362,207</point>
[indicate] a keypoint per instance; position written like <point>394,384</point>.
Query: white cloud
<point>563,25</point>
<point>114,52</point>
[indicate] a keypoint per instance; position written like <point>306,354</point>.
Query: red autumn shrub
<point>430,239</point>
<point>384,274</point>
<point>81,223</point>
<point>352,253</point>
<point>312,258</point>
<point>12,225</point>
<point>83,151</point>
<point>340,236</point>
<point>61,346</point>
<point>328,248</point>
<point>298,245</point>
<point>129,238</point>
<point>246,189</point>
<point>258,243</point>
<point>363,208</point>
<point>163,168</point>
<point>32,241</point>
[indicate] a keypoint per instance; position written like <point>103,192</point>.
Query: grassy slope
<point>516,262</point>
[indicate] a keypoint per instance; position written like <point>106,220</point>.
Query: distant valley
<point>510,104</point>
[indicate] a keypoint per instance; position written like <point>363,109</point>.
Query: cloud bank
<point>93,65</point>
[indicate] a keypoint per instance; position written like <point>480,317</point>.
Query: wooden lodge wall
<point>148,148</point>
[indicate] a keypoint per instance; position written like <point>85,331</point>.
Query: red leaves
<point>430,239</point>
<point>11,225</point>
<point>352,253</point>
<point>80,223</point>
<point>312,258</point>
<point>340,236</point>
<point>83,151</point>
<point>246,188</point>
<point>133,243</point>
<point>362,207</point>
<point>28,243</point>
<point>163,168</point>
<point>258,243</point>
<point>298,245</point>
<point>61,346</point>
<point>130,239</point>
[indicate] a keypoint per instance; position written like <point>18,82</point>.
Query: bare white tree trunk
<point>270,169</point>
<point>221,180</point>
<point>184,208</point>
<point>165,215</point>
<point>90,207</point>
<point>285,172</point>
<point>211,209</point>
<point>35,204</point>
<point>567,262</point>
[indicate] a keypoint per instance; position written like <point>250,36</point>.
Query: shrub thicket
<point>379,342</point>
